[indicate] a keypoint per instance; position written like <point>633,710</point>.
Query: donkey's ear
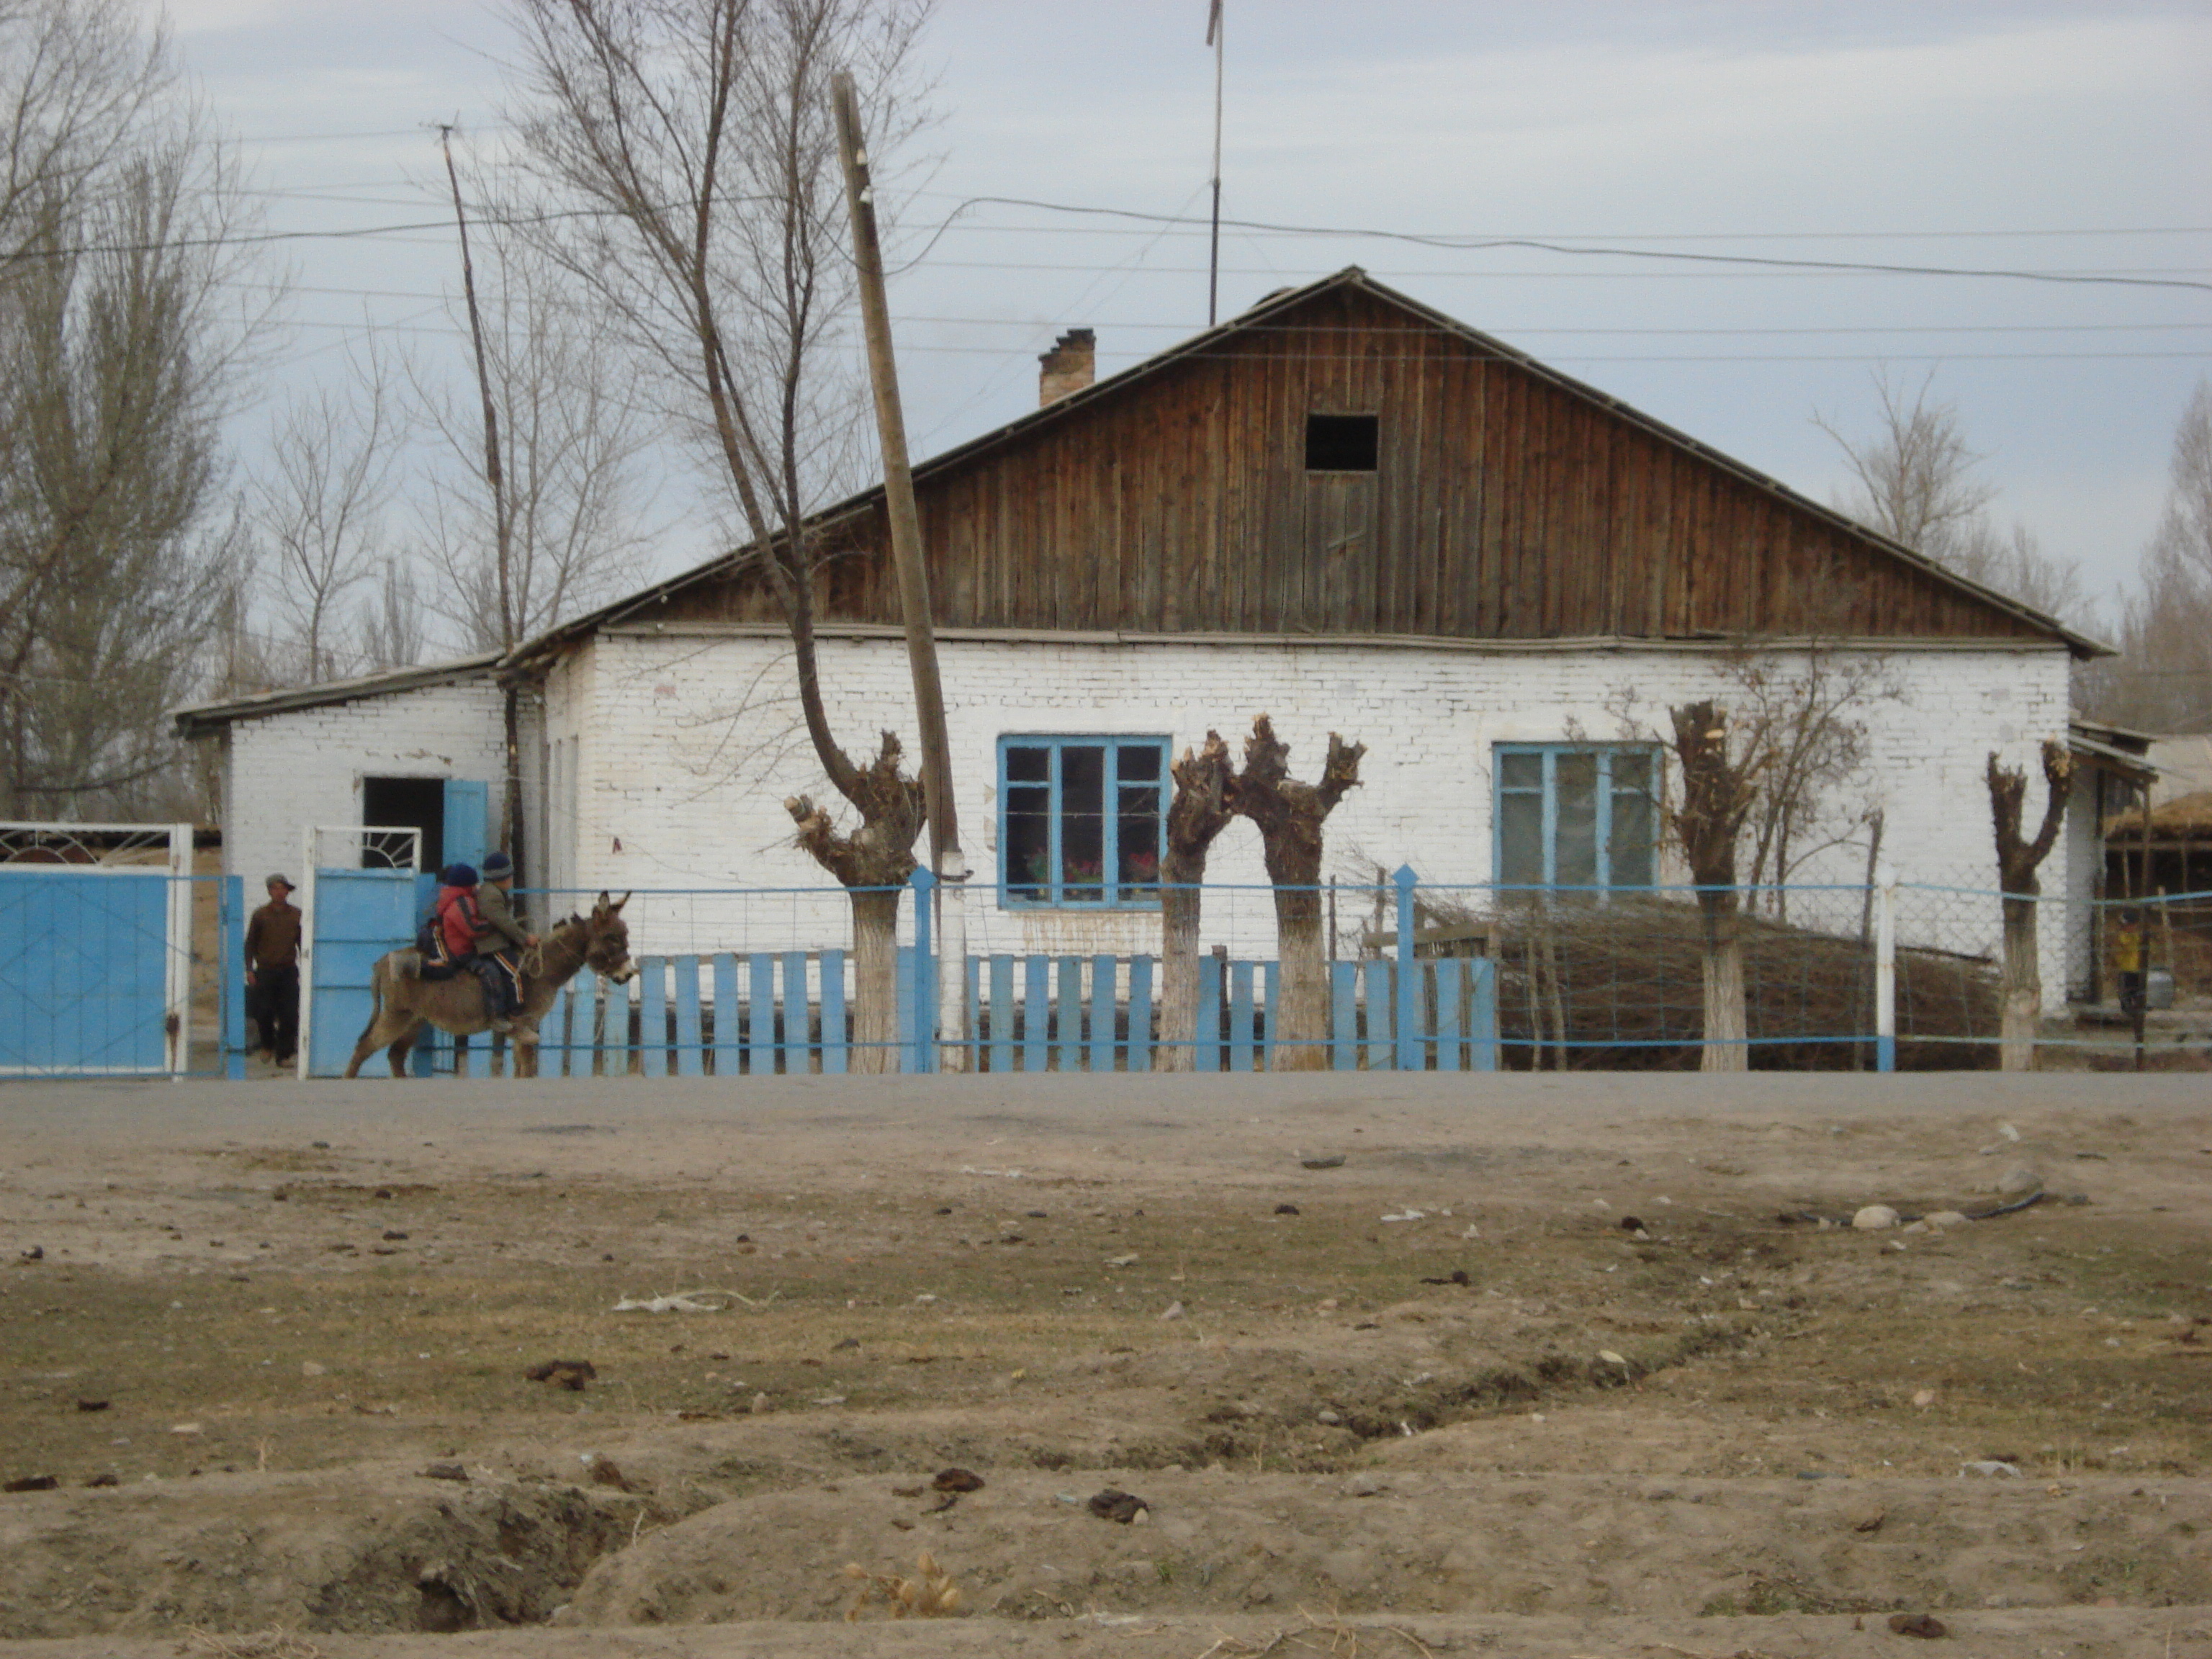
<point>624,899</point>
<point>602,906</point>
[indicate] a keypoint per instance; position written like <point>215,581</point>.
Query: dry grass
<point>258,1644</point>
<point>1625,981</point>
<point>930,1595</point>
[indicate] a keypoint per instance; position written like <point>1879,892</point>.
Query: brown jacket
<point>504,927</point>
<point>272,937</point>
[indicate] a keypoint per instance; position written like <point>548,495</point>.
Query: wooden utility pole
<point>945,856</point>
<point>510,805</point>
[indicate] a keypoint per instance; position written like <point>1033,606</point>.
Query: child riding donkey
<point>471,912</point>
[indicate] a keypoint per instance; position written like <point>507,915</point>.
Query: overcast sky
<point>2068,140</point>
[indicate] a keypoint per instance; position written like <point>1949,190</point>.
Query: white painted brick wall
<point>686,746</point>
<point>305,765</point>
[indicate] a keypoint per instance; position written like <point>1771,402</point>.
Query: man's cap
<point>497,866</point>
<point>457,875</point>
<point>280,879</point>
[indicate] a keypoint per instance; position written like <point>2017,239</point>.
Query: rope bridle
<point>533,956</point>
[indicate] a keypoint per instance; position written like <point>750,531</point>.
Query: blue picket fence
<point>727,1014</point>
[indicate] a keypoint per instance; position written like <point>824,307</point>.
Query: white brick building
<point>1506,635</point>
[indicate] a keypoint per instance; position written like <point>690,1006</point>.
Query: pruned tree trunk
<point>873,863</point>
<point>1198,813</point>
<point>1727,1029</point>
<point>1717,796</point>
<point>875,967</point>
<point>1289,816</point>
<point>2017,861</point>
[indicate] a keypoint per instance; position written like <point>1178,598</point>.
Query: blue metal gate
<point>356,915</point>
<point>85,987</point>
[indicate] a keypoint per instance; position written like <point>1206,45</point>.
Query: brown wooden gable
<point>1508,502</point>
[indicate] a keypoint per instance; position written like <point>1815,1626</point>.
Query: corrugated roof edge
<point>195,719</point>
<point>2080,645</point>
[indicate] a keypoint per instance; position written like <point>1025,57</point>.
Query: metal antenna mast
<point>1215,36</point>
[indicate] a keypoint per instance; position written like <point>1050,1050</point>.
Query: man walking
<point>272,972</point>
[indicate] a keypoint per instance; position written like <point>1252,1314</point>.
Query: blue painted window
<point>1577,815</point>
<point>1081,820</point>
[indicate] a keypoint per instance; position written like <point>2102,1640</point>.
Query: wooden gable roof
<point>1507,502</point>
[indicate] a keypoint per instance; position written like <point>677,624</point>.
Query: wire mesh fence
<point>1429,973</point>
<point>760,980</point>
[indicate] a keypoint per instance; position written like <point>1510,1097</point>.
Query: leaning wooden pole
<point>510,800</point>
<point>945,856</point>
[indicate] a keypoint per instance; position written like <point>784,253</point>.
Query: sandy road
<point>1531,1150</point>
<point>1128,1121</point>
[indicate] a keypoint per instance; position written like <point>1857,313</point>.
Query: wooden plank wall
<point>1504,507</point>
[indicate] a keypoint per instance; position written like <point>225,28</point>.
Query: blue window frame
<point>1081,820</point>
<point>1574,814</point>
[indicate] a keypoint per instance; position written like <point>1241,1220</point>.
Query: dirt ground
<point>1532,1366</point>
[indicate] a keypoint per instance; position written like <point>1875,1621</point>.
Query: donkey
<point>406,1002</point>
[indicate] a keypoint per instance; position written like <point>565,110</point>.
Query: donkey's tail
<point>377,976</point>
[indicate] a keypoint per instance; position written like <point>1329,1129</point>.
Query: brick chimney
<point>1070,366</point>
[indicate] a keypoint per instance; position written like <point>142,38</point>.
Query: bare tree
<point>2163,681</point>
<point>1289,816</point>
<point>319,507</point>
<point>1913,480</point>
<point>691,145</point>
<point>1802,726</point>
<point>1198,813</point>
<point>81,83</point>
<point>390,631</point>
<point>1914,475</point>
<point>2018,857</point>
<point>124,337</point>
<point>570,446</point>
<point>1719,791</point>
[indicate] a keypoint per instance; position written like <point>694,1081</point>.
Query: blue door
<point>468,821</point>
<point>359,914</point>
<point>83,959</point>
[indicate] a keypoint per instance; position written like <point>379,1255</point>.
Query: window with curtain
<point>1081,819</point>
<point>1576,816</point>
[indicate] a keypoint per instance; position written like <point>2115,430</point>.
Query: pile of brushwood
<point>1619,986</point>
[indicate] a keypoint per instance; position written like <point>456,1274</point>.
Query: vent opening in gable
<point>1341,443</point>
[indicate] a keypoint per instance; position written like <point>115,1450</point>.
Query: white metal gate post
<point>1885,968</point>
<point>307,957</point>
<point>954,1051</point>
<point>177,982</point>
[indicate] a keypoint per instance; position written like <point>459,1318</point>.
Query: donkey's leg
<point>369,1044</point>
<point>522,1048</point>
<point>400,1050</point>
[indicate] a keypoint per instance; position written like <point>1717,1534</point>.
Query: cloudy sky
<point>2057,140</point>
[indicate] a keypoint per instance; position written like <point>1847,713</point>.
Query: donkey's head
<point>606,940</point>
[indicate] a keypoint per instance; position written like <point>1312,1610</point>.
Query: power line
<point>1769,267</point>
<point>1478,243</point>
<point>414,325</point>
<point>1674,236</point>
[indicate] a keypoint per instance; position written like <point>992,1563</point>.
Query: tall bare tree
<point>390,630</point>
<point>1915,479</point>
<point>1288,815</point>
<point>318,506</point>
<point>571,447</point>
<point>693,143</point>
<point>2163,681</point>
<point>83,83</point>
<point>123,335</point>
<point>2018,857</point>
